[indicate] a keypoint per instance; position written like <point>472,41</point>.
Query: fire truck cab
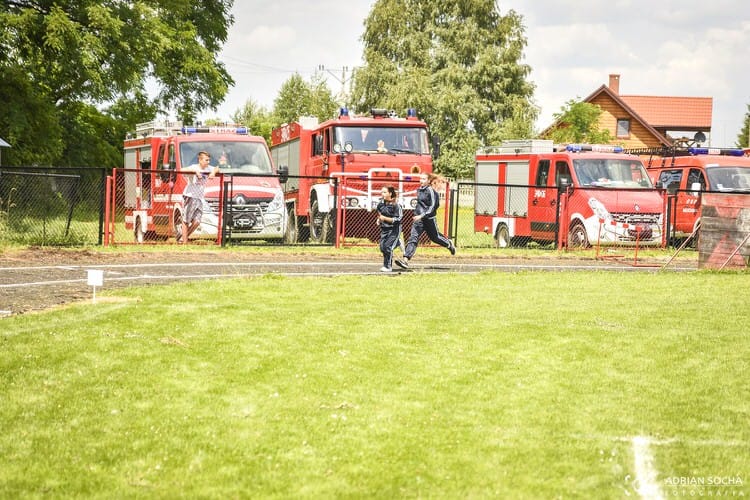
<point>342,164</point>
<point>153,185</point>
<point>686,172</point>
<point>607,195</point>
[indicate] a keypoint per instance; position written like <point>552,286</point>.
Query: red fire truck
<point>156,153</point>
<point>686,172</point>
<point>607,195</point>
<point>343,163</point>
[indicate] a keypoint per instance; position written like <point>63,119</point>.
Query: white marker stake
<point>95,279</point>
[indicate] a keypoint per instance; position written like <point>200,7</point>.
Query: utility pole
<point>343,96</point>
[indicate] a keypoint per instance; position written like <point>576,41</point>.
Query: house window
<point>623,127</point>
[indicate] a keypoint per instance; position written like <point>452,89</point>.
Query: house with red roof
<point>639,121</point>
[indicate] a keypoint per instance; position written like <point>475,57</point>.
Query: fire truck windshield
<point>397,140</point>
<point>725,178</point>
<point>611,173</point>
<point>230,156</point>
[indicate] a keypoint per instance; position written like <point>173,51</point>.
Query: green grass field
<point>525,385</point>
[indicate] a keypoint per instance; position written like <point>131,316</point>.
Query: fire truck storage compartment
<point>515,199</point>
<point>288,154</point>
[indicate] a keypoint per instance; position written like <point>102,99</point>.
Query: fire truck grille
<point>636,218</point>
<point>246,217</point>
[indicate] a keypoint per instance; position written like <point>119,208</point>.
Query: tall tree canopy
<point>300,98</point>
<point>296,98</point>
<point>458,63</point>
<point>578,121</point>
<point>63,54</point>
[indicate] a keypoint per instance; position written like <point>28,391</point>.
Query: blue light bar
<point>411,113</point>
<point>716,151</point>
<point>344,111</point>
<point>215,130</point>
<point>597,148</point>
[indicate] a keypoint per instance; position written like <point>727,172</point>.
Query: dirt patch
<point>35,279</point>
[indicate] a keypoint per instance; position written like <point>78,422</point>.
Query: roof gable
<point>628,109</point>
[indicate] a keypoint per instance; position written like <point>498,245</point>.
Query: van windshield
<point>611,173</point>
<point>232,157</point>
<point>726,178</point>
<point>397,140</point>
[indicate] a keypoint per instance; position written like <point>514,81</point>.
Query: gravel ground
<point>40,278</point>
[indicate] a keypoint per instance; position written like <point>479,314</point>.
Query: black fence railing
<point>52,206</point>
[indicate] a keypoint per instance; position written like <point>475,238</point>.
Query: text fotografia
<point>714,486</point>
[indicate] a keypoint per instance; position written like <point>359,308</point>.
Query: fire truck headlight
<point>277,203</point>
<point>599,209</point>
<point>353,202</point>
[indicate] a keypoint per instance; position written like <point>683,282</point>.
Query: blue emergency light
<point>344,111</point>
<point>411,113</point>
<point>598,148</point>
<point>715,151</point>
<point>239,130</point>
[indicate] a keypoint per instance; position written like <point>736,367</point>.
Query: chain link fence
<point>523,216</point>
<point>68,207</point>
<point>51,206</point>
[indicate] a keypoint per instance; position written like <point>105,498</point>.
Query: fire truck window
<point>694,176</point>
<point>562,174</point>
<point>160,157</point>
<point>317,145</point>
<point>542,173</point>
<point>670,179</point>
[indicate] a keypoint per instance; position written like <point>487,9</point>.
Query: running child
<point>389,220</point>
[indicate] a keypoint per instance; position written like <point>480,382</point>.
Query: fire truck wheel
<point>177,226</point>
<point>329,228</point>
<point>138,232</point>
<point>316,222</point>
<point>577,237</point>
<point>291,234</point>
<point>502,236</point>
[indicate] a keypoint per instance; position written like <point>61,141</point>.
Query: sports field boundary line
<point>647,484</point>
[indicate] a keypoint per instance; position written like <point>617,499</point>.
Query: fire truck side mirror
<point>283,171</point>
<point>435,146</point>
<point>695,188</point>
<point>165,173</point>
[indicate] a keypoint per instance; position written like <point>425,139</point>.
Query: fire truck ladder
<point>155,128</point>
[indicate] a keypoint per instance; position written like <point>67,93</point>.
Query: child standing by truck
<point>389,218</point>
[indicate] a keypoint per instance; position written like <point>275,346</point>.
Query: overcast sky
<point>666,48</point>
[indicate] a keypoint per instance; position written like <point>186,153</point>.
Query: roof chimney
<point>614,84</point>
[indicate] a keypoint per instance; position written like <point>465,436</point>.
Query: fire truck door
<point>689,201</point>
<point>166,190</point>
<point>543,204</point>
<point>145,170</point>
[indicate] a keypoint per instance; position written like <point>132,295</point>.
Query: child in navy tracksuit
<point>428,202</point>
<point>389,219</point>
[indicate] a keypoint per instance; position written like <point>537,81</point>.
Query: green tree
<point>257,118</point>
<point>97,52</point>
<point>743,138</point>
<point>578,121</point>
<point>28,122</point>
<point>300,98</point>
<point>457,63</point>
